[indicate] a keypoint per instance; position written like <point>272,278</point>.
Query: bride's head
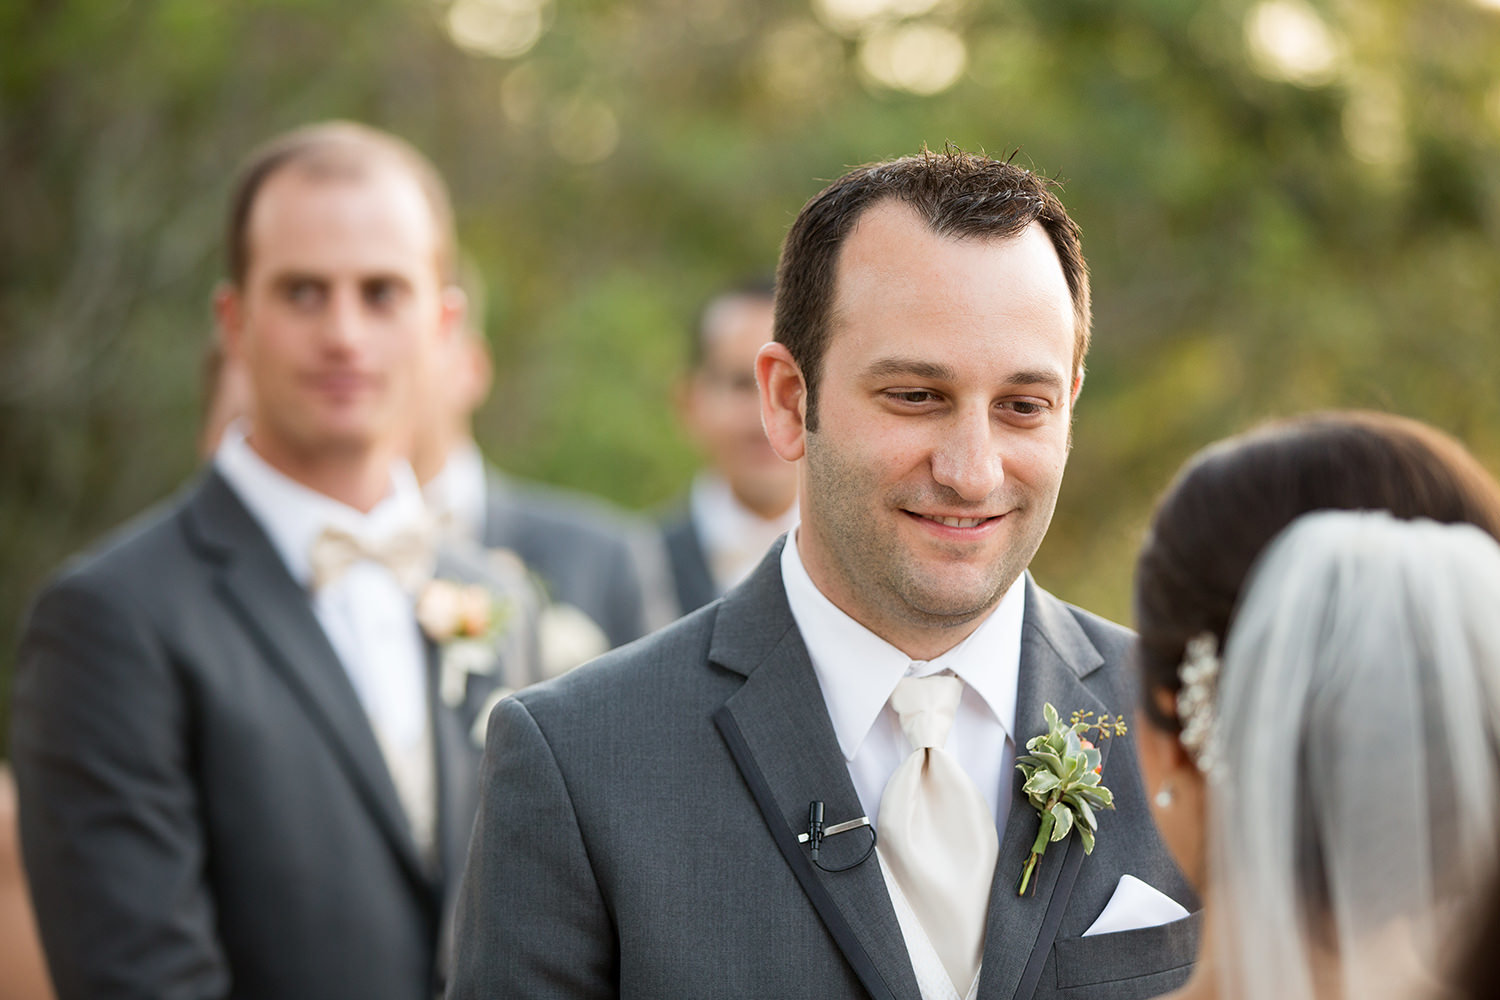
<point>1221,512</point>
<point>1328,773</point>
<point>1233,497</point>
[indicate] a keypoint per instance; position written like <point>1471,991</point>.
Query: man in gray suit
<point>746,496</point>
<point>244,770</point>
<point>587,553</point>
<point>690,817</point>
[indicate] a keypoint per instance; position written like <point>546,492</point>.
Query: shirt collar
<point>726,524</point>
<point>457,493</point>
<point>857,670</point>
<point>293,514</point>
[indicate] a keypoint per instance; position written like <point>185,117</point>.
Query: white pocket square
<point>1133,906</point>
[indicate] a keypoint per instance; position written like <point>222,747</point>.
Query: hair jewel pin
<point>1197,699</point>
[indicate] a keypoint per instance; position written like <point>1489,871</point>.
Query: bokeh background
<point>1287,205</point>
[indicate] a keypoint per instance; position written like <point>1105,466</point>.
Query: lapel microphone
<point>816,831</point>
<point>815,828</point>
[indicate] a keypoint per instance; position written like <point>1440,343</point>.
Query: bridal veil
<point>1354,779</point>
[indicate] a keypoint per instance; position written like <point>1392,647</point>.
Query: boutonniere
<point>465,620</point>
<point>1062,771</point>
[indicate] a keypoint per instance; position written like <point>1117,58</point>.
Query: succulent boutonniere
<point>1062,771</point>
<point>465,620</point>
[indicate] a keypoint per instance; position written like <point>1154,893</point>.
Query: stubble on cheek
<point>879,574</point>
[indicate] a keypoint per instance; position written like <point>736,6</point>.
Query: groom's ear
<point>783,401</point>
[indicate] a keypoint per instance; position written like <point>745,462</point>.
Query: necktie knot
<point>407,554</point>
<point>926,706</point>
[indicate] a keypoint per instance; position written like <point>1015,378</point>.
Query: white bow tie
<point>407,554</point>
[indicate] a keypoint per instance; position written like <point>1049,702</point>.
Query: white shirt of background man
<point>456,495</point>
<point>734,538</point>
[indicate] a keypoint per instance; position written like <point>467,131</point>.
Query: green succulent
<point>1062,771</point>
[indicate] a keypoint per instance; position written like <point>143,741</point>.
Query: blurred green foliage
<point>1266,237</point>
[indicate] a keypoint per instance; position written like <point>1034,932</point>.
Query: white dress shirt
<point>369,619</point>
<point>734,537</point>
<point>456,496</point>
<point>857,671</point>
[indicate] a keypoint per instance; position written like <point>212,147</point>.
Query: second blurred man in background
<point>746,497</point>
<point>589,555</point>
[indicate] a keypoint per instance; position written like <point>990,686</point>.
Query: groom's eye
<point>914,396</point>
<point>1026,409</point>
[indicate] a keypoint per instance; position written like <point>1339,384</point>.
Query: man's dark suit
<point>637,832</point>
<point>205,809</point>
<point>692,577</point>
<point>587,554</point>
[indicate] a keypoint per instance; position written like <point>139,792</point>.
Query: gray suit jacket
<point>637,831</point>
<point>587,553</point>
<point>205,811</point>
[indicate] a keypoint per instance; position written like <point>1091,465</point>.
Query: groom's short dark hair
<point>960,195</point>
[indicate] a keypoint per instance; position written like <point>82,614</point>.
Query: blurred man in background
<point>599,567</point>
<point>746,496</point>
<point>242,747</point>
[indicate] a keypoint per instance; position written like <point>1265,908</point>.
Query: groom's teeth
<point>959,522</point>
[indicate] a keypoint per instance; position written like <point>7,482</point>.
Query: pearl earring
<point>1163,798</point>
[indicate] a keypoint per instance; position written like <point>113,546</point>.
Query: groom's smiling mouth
<point>962,523</point>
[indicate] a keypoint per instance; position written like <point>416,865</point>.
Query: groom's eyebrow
<point>883,368</point>
<point>911,367</point>
<point>1040,378</point>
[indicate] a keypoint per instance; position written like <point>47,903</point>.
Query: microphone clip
<point>817,831</point>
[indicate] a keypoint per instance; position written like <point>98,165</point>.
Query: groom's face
<point>944,407</point>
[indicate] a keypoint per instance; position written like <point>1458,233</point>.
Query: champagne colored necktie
<point>937,835</point>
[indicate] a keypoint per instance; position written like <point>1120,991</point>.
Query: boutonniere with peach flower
<point>465,620</point>
<point>1063,770</point>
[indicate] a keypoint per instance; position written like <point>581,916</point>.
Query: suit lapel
<point>787,744</point>
<point>276,611</point>
<point>1056,656</point>
<point>778,730</point>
